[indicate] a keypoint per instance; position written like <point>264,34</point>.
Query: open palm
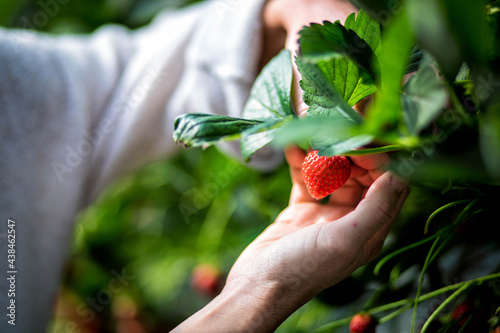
<point>311,245</point>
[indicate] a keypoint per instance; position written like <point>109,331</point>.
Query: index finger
<point>371,162</point>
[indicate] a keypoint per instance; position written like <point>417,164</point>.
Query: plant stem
<point>458,285</point>
<point>397,252</point>
<point>378,150</point>
<point>442,305</point>
<point>420,282</point>
<point>408,303</point>
<point>464,212</point>
<point>439,210</point>
<point>395,314</point>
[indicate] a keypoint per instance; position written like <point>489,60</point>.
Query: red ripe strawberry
<point>362,323</point>
<point>324,174</point>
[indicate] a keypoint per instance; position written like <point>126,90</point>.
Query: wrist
<point>290,16</point>
<point>273,33</point>
<point>244,305</point>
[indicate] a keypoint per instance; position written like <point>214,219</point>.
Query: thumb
<point>377,211</point>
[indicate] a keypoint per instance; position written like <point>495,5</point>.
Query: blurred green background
<point>135,249</point>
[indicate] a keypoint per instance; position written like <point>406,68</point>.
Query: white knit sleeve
<point>77,112</point>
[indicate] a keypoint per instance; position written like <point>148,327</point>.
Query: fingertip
<point>357,171</point>
<point>371,162</point>
<point>399,184</point>
<point>388,185</point>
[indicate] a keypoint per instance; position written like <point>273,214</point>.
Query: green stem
<point>443,305</point>
<point>440,248</point>
<point>377,269</point>
<point>395,314</point>
<point>391,306</point>
<point>439,210</point>
<point>328,327</point>
<point>464,328</point>
<point>458,285</point>
<point>459,82</point>
<point>409,302</point>
<point>378,150</point>
<point>465,211</point>
<point>420,282</point>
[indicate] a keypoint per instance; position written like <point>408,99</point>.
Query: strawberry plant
<point>432,81</point>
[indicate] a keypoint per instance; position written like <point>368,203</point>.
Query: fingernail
<point>399,184</point>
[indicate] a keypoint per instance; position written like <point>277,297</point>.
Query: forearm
<point>244,306</point>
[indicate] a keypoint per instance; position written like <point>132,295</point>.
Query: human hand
<point>309,247</point>
<point>312,246</point>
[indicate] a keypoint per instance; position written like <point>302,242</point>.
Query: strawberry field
<point>155,248</point>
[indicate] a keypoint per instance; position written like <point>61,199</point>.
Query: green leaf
<point>332,40</point>
<point>381,10</point>
<point>367,29</point>
<point>386,112</point>
<point>469,26</point>
<point>270,94</point>
<point>200,129</point>
<point>255,142</point>
<point>328,147</point>
<point>424,97</point>
<point>489,140</point>
<point>416,58</point>
<point>336,113</point>
<point>451,31</point>
<point>320,91</point>
<point>352,83</point>
<point>269,106</point>
<point>270,99</point>
<point>304,129</point>
<point>344,54</point>
<point>433,33</point>
<point>258,136</point>
<point>463,73</point>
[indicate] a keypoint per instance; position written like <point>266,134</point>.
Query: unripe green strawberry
<point>324,174</point>
<point>363,323</point>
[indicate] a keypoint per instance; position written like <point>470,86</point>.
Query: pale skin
<point>310,246</point>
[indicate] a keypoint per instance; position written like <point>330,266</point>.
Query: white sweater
<point>77,112</point>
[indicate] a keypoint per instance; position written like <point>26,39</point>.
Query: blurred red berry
<point>363,323</point>
<point>462,312</point>
<point>207,280</point>
<point>470,318</point>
